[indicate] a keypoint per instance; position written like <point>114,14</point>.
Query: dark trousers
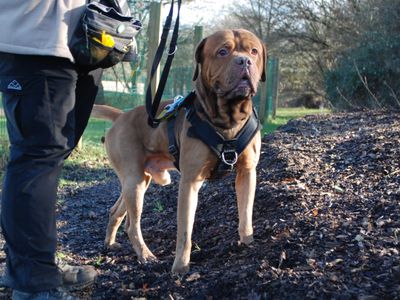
<point>47,102</point>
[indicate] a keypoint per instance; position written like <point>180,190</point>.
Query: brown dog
<point>230,64</point>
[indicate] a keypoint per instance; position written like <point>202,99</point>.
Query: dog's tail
<point>105,112</point>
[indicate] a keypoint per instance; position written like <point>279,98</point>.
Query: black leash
<point>153,104</point>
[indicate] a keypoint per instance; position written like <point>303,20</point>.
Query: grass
<point>95,130</point>
<point>92,156</point>
<point>284,115</point>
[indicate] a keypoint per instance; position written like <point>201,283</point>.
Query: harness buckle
<point>229,157</point>
<point>172,150</point>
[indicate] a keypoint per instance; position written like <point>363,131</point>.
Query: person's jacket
<point>38,27</point>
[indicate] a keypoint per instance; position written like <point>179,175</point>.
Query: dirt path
<point>326,222</point>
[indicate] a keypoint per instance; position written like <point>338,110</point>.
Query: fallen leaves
<point>326,221</point>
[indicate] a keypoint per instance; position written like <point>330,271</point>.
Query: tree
<point>310,36</point>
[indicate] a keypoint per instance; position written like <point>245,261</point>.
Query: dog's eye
<point>222,52</point>
<point>254,51</point>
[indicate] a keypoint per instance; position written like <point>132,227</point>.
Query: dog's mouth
<point>242,87</point>
<point>244,84</point>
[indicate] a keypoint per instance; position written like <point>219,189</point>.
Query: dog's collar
<point>227,151</point>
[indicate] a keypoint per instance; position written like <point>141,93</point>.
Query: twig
<point>364,81</point>
<point>125,82</point>
<point>117,80</point>
<point>330,104</point>
<point>393,94</point>
<point>344,98</point>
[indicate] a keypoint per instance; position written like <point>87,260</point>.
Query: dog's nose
<point>243,61</point>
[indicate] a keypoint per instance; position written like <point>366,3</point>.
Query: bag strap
<point>153,104</point>
<point>120,6</point>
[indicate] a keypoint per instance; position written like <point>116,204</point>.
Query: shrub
<point>367,76</point>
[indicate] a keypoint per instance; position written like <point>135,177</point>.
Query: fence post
<point>263,95</point>
<point>272,89</point>
<point>154,34</point>
<point>198,36</point>
<point>269,90</point>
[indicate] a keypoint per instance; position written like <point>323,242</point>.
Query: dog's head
<point>229,65</point>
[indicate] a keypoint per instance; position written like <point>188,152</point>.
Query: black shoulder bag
<point>104,36</point>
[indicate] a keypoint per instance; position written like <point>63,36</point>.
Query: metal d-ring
<point>173,52</point>
<point>229,162</point>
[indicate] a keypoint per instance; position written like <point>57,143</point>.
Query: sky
<point>201,12</point>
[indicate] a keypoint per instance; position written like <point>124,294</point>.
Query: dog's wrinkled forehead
<point>226,43</point>
<point>239,40</point>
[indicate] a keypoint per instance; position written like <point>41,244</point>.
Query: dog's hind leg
<point>127,220</point>
<point>116,216</point>
<point>133,190</point>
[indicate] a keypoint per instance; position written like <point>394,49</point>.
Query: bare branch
<point>392,93</point>
<point>364,82</point>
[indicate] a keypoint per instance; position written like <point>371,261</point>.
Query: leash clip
<point>175,104</point>
<point>230,161</point>
<point>173,52</point>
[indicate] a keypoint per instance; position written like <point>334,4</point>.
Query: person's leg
<point>39,99</point>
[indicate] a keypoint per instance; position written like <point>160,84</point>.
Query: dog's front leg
<point>245,191</point>
<point>187,204</point>
<point>246,179</point>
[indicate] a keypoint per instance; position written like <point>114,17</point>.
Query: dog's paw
<point>248,239</point>
<point>113,246</point>
<point>180,269</point>
<point>147,257</point>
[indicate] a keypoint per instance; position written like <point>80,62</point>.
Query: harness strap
<point>172,143</point>
<point>248,131</point>
<point>170,115</point>
<point>227,151</point>
<point>206,133</point>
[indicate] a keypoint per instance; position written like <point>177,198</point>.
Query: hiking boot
<point>55,294</point>
<point>77,277</point>
<point>73,277</point>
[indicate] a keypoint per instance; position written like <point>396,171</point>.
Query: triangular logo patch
<point>14,85</point>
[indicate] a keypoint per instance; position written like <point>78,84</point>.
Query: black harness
<point>227,151</point>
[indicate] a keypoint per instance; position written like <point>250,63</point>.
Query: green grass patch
<point>92,155</point>
<point>95,130</point>
<point>284,115</point>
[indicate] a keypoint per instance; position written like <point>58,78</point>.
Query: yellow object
<point>106,40</point>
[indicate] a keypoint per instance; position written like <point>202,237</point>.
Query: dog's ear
<point>265,59</point>
<point>198,58</point>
